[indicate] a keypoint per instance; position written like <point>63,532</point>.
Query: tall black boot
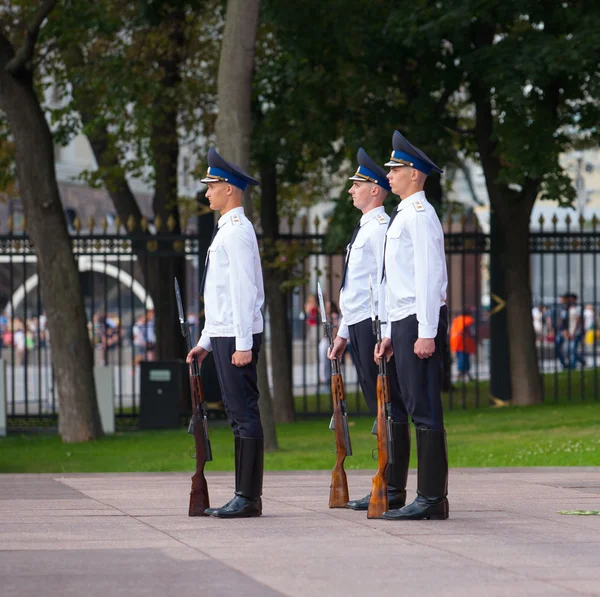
<point>247,502</point>
<point>396,473</point>
<point>236,459</point>
<point>432,479</point>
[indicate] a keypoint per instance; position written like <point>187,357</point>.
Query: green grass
<point>532,436</point>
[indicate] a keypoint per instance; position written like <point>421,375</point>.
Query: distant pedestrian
<point>462,342</point>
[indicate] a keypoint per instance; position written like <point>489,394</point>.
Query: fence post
<point>103,376</point>
<point>499,350</point>
<point>3,397</point>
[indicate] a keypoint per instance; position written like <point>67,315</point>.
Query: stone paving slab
<point>129,534</point>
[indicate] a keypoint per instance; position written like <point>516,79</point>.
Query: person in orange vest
<point>462,342</point>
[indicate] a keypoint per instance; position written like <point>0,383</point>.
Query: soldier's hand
<point>384,349</point>
<point>424,347</point>
<point>241,358</point>
<point>198,352</point>
<point>337,350</point>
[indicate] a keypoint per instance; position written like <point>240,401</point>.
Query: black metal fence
<point>114,264</point>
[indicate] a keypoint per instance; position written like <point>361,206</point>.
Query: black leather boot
<point>432,480</point>
<point>396,474</point>
<point>247,502</point>
<point>236,459</point>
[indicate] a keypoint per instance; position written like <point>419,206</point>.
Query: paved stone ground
<point>129,534</point>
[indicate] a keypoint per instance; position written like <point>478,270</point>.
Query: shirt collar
<point>419,195</point>
<point>371,214</point>
<point>227,217</point>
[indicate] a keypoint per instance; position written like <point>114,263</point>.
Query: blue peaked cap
<point>405,154</point>
<point>220,170</point>
<point>369,171</point>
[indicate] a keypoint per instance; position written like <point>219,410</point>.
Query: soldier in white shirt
<point>233,296</point>
<point>416,281</point>
<point>364,259</point>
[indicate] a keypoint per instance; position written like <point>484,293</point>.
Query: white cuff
<point>427,331</point>
<point>343,331</point>
<point>244,343</point>
<point>387,333</point>
<point>204,342</point>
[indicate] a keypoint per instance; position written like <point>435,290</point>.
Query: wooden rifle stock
<point>199,499</point>
<point>378,504</point>
<point>338,494</point>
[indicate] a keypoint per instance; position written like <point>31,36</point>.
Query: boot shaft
<point>251,467</point>
<point>432,472</point>
<point>397,473</point>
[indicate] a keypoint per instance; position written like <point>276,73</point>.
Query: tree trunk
<point>265,404</point>
<point>280,350</point>
<point>72,360</point>
<point>513,211</point>
<point>164,142</point>
<point>281,342</point>
<point>434,192</point>
<point>526,383</point>
<point>234,85</point>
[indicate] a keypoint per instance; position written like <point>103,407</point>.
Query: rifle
<point>378,503</point>
<point>338,494</point>
<point>199,500</point>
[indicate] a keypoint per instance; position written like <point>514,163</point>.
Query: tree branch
<point>25,52</point>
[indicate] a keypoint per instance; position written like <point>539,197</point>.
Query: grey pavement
<point>129,534</point>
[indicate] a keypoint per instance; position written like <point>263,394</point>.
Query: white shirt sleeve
<point>343,331</point>
<point>240,250</point>
<point>377,242</point>
<point>204,341</point>
<point>428,274</point>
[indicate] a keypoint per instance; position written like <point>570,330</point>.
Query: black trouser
<point>420,379</point>
<point>239,387</point>
<point>362,340</point>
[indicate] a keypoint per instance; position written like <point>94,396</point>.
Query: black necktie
<point>206,260</point>
<point>385,243</point>
<point>354,235</point>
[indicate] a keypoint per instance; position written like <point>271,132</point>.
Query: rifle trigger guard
<point>374,456</point>
<point>333,448</point>
<point>193,454</point>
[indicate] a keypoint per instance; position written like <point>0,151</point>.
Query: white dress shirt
<point>366,258</point>
<point>415,265</point>
<point>233,292</point>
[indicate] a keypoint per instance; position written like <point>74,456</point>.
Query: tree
<point>79,418</point>
<point>523,81</point>
<point>124,71</point>
<point>322,88</point>
<point>234,131</point>
<point>234,87</point>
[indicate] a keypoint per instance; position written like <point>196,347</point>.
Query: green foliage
<point>535,63</point>
<point>113,55</point>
